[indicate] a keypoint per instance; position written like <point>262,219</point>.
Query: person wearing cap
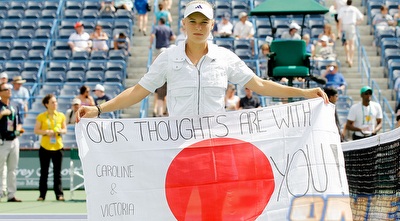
<point>79,40</point>
<point>20,94</point>
<point>51,125</point>
<point>101,96</point>
<point>10,128</point>
<point>323,51</point>
<point>334,78</point>
<point>365,117</point>
<point>349,16</point>
<point>70,113</point>
<point>292,34</point>
<point>224,28</point>
<point>243,29</point>
<point>197,73</point>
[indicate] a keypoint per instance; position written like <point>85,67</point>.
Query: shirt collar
<point>212,51</point>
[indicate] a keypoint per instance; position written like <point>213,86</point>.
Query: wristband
<point>98,110</point>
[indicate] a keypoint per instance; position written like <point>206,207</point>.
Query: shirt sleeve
<point>238,71</point>
<point>379,115</point>
<point>352,114</point>
<point>156,76</point>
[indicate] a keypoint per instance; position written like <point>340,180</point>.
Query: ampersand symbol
<point>113,186</point>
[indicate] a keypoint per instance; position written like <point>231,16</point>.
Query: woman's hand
<point>86,112</point>
<point>315,93</point>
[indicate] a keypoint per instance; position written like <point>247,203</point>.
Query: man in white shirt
<point>383,19</point>
<point>365,118</point>
<point>20,94</point>
<point>243,29</point>
<point>224,28</point>
<point>79,41</point>
<point>292,33</point>
<point>349,16</point>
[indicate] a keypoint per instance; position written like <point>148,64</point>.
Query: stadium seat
<point>37,107</point>
<point>12,74</point>
<point>80,55</point>
<point>25,34</point>
<point>220,12</point>
<point>235,13</point>
<point>225,42</point>
<point>61,45</point>
<point>42,34</point>
<point>72,14</point>
<point>114,66</point>
<point>106,15</point>
<point>243,54</point>
<point>15,14</point>
<point>49,14</point>
<point>34,5</point>
<point>18,54</point>
<point>113,76</point>
<point>38,45</point>
<point>9,24</point>
<point>90,13</point>
<point>50,5</point>
<point>36,54</point>
<point>67,24</point>
<point>17,5</point>
<point>222,4</point>
<point>31,66</point>
<point>4,55</point>
<point>240,4</point>
<point>122,13</point>
<point>21,45</point>
<point>105,24</point>
<point>95,76</point>
<point>75,5</point>
<point>5,45</point>
<point>61,54</point>
<point>3,14</point>
<point>263,33</point>
<point>28,24</point>
<point>122,24</point>
<point>241,44</point>
<point>75,76</point>
<point>112,88</point>
<point>13,66</point>
<point>65,33</point>
<point>98,55</point>
<point>91,5</point>
<point>77,66</point>
<point>281,23</point>
<point>32,14</point>
<point>96,66</point>
<point>315,23</point>
<point>58,66</point>
<point>45,24</point>
<point>117,55</point>
<point>29,76</point>
<point>4,5</point>
<point>55,76</point>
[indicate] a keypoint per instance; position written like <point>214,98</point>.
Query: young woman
<point>99,39</point>
<point>85,97</point>
<point>197,73</point>
<point>51,125</point>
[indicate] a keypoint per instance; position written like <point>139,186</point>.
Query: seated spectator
<point>383,19</point>
<point>99,39</point>
<point>163,13</point>
<point>20,94</point>
<point>243,28</point>
<point>323,51</point>
<point>101,96</point>
<point>85,97</point>
<point>224,28</point>
<point>328,32</point>
<point>310,47</point>
<point>334,78</point>
<point>231,99</point>
<point>396,17</point>
<point>80,40</point>
<point>70,113</point>
<point>292,33</point>
<point>107,6</point>
<point>249,101</point>
<point>121,42</point>
<point>123,4</point>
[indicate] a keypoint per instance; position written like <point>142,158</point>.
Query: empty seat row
<point>82,76</point>
<point>28,14</point>
<point>32,54</point>
<point>66,54</point>
<point>25,34</point>
<point>94,14</point>
<point>24,5</point>
<point>27,24</point>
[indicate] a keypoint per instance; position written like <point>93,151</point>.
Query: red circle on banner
<point>219,179</point>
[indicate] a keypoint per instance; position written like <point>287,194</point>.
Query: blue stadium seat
<point>281,23</point>
<point>65,33</point>
<point>55,76</point>
<point>34,5</point>
<point>32,14</point>
<point>13,66</point>
<point>50,5</point>
<point>45,24</point>
<point>4,55</point>
<point>5,45</point>
<point>114,66</point>
<point>90,13</point>
<point>37,107</point>
<point>10,24</point>
<point>60,54</point>
<point>91,5</point>
<point>224,4</point>
<point>8,34</point>
<point>77,66</point>
<point>220,12</point>
<point>29,76</point>
<point>105,24</point>
<point>38,45</point>
<point>122,24</point>
<point>98,55</point>
<point>94,76</point>
<point>67,24</point>
<point>116,31</point>
<point>42,34</point>
<point>12,74</point>
<point>72,14</point>
<point>315,23</point>
<point>17,5</point>
<point>75,5</point>
<point>96,66</point>
<point>80,55</point>
<point>106,15</point>
<point>75,76</point>
<point>122,13</point>
<point>61,45</point>
<point>244,54</point>
<point>3,14</point>
<point>117,55</point>
<point>18,54</point>
<point>29,123</point>
<point>112,88</point>
<point>36,54</point>
<point>225,42</point>
<point>315,32</point>
<point>28,24</point>
<point>31,66</point>
<point>390,53</point>
<point>49,14</point>
<point>25,34</point>
<point>263,33</point>
<point>262,23</point>
<point>15,14</point>
<point>241,44</point>
<point>58,66</point>
<point>240,4</point>
<point>113,76</point>
<point>4,5</point>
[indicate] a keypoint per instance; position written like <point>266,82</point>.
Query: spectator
<point>243,28</point>
<point>107,6</point>
<point>349,16</point>
<point>231,99</point>
<point>338,6</point>
<point>249,101</point>
<point>310,47</point>
<point>4,79</point>
<point>99,38</point>
<point>167,4</point>
<point>141,8</point>
<point>163,35</point>
<point>365,118</point>
<point>10,129</point>
<point>334,78</point>
<point>70,113</point>
<point>262,56</point>
<point>101,96</point>
<point>292,33</point>
<point>20,94</point>
<point>163,13</point>
<point>224,28</point>
<point>323,51</point>
<point>332,94</point>
<point>396,17</point>
<point>123,4</point>
<point>121,42</point>
<point>85,97</point>
<point>80,40</point>
<point>51,125</point>
<point>160,101</point>
<point>383,19</point>
<point>328,32</point>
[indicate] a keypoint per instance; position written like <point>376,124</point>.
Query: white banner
<point>277,163</point>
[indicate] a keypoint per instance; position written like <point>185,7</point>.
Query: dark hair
<point>383,7</point>
<point>46,99</point>
<point>122,35</point>
<point>349,2</point>
<point>330,91</point>
<point>162,21</point>
<point>83,89</point>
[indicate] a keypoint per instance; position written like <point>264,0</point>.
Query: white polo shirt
<point>349,15</point>
<point>195,90</point>
<point>80,41</point>
<point>243,30</point>
<point>365,117</point>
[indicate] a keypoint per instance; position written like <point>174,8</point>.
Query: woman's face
<point>198,27</point>
<point>52,105</point>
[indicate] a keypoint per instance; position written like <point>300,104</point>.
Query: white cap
<point>3,75</point>
<point>203,8</point>
<point>294,25</point>
<point>324,38</point>
<point>242,14</point>
<point>98,87</point>
<point>76,101</point>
